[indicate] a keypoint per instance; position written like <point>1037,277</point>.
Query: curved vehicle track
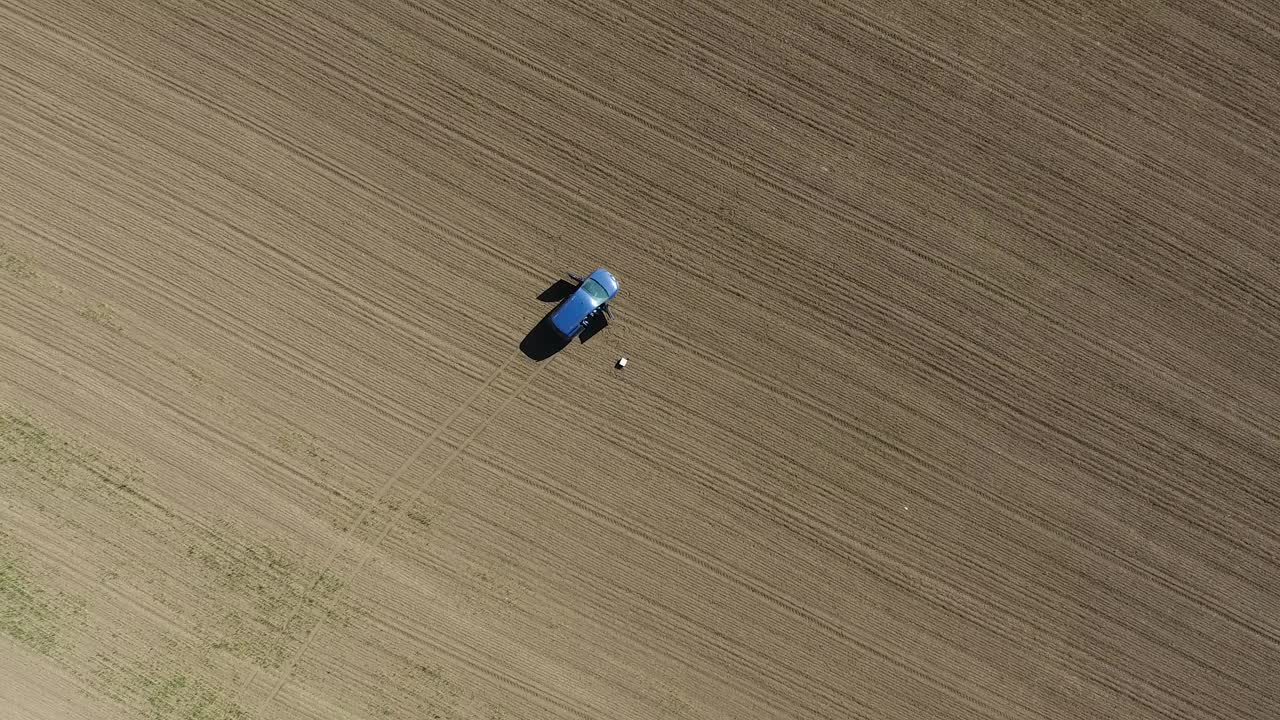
<point>953,333</point>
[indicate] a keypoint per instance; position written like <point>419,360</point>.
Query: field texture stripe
<point>345,540</point>
<point>287,671</point>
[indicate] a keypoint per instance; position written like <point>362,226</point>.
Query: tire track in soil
<point>869,128</point>
<point>737,575</point>
<point>345,540</point>
<point>333,169</point>
<point>962,391</point>
<point>421,487</point>
<point>231,281</point>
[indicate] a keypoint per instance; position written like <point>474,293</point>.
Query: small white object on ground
<point>622,362</point>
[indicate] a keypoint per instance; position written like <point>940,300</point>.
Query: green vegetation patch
<point>272,600</point>
<point>31,615</point>
<point>182,697</point>
<point>102,314</point>
<point>416,688</point>
<point>16,265</point>
<point>424,691</point>
<point>160,688</point>
<point>60,463</point>
<point>31,447</point>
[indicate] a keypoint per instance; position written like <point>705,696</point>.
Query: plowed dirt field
<point>954,341</point>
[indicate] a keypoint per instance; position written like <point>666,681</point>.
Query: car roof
<point>571,312</point>
<point>578,305</point>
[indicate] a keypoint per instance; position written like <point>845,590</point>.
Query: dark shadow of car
<point>595,324</point>
<point>558,291</point>
<point>543,341</point>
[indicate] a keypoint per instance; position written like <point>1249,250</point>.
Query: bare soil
<point>954,341</point>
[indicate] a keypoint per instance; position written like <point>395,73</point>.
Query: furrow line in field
<point>141,387</point>
<point>654,124</point>
<point>1022,386</point>
<point>411,112</point>
<point>1192,178</point>
<point>1235,23</point>
<point>1269,25</point>
<point>990,288</point>
<point>235,328</point>
<point>689,555</point>
<point>152,612</point>
<point>1147,57</point>
<point>1243,482</point>
<point>479,660</point>
<point>11,219</point>
<point>298,359</point>
<point>361,86</point>
<point>1008,401</point>
<point>1040,233</point>
<point>464,365</point>
<point>1218,79</point>
<point>38,361</point>
<point>893,450</point>
<point>1012,396</point>
<point>957,345</point>
<point>713,641</point>
<point>588,666</point>
<point>345,539</point>
<point>420,487</point>
<point>1011,90</point>
<point>1152,232</point>
<point>1175,510</point>
<point>893,92</point>
<point>979,609</point>
<point>384,306</point>
<point>1028,371</point>
<point>308,154</point>
<point>1214,75</point>
<point>649,124</point>
<point>707,149</point>
<point>225,278</point>
<point>175,510</point>
<point>1242,11</point>
<point>466,95</point>
<point>1049,210</point>
<point>1156,227</point>
<point>298,487</point>
<point>401,208</point>
<point>997,585</point>
<point>827,491</point>
<point>1228,407</point>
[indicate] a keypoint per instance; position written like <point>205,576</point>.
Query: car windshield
<point>595,290</point>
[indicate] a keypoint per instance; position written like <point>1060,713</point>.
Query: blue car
<point>592,296</point>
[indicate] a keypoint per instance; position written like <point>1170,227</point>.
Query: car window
<point>595,290</point>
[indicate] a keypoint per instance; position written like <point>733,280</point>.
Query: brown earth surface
<point>954,333</point>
